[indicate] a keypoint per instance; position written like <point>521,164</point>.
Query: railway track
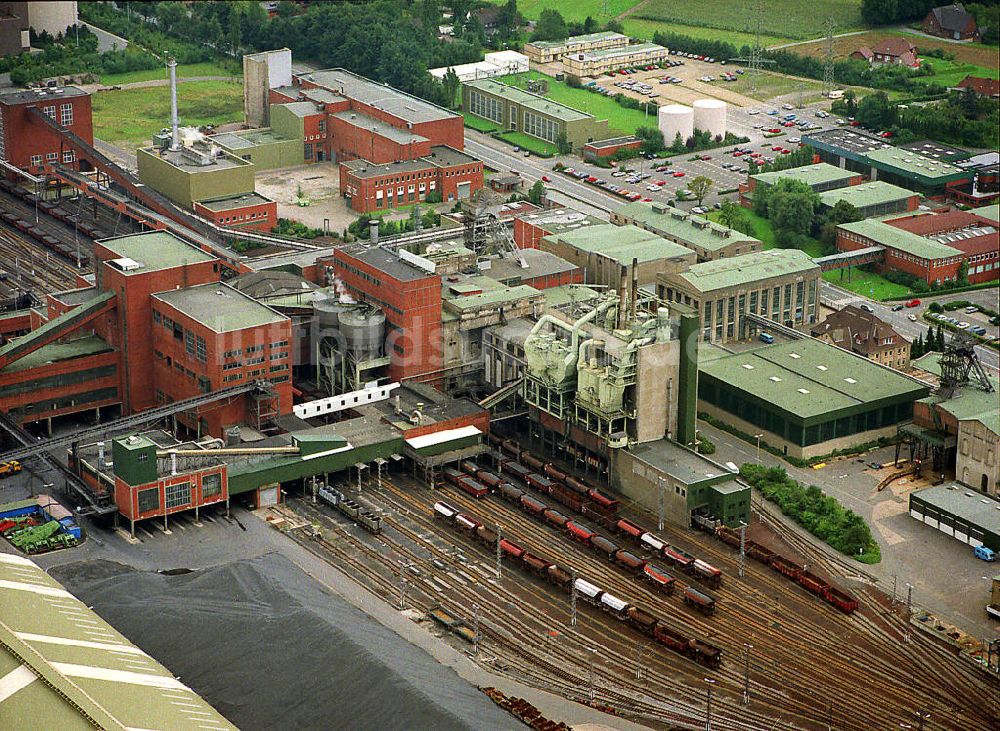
<point>30,266</point>
<point>859,647</point>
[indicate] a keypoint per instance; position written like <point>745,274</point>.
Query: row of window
<point>486,106</point>
<point>65,113</point>
<point>262,216</point>
<point>68,157</point>
<point>541,127</point>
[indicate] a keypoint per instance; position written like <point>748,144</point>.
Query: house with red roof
<point>893,50</point>
<point>983,87</point>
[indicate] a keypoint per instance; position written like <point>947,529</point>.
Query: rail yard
<point>798,660</point>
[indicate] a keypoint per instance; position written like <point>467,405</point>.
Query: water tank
<point>328,311</point>
<point>233,437</point>
<point>363,329</point>
<point>710,116</point>
<point>673,119</point>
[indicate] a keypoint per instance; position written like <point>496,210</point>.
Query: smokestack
<point>622,286</point>
<point>687,376</point>
<point>635,290</point>
<point>175,141</point>
<point>373,230</point>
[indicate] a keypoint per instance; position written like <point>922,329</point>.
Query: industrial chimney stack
<point>175,141</point>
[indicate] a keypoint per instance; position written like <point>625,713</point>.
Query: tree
<point>791,212</point>
<point>563,144</point>
<point>536,192</point>
<point>652,139</point>
<point>850,102</point>
<point>917,347</point>
<point>879,12</point>
<point>285,9</point>
<point>735,217</point>
<point>939,341</point>
<point>589,25</point>
<point>876,111</point>
<point>962,276</point>
<point>451,85</point>
<point>509,19</point>
<point>700,187</point>
<point>551,26</point>
<point>844,212</point>
<point>234,36</point>
<point>614,26</point>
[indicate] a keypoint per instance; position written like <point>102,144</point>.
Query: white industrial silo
<point>710,116</point>
<point>674,118</point>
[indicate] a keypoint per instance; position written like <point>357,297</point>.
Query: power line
<point>828,81</point>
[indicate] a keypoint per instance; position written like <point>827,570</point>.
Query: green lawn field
<point>576,10</point>
<point>621,120</point>
<point>865,283</point>
<point>187,70</point>
<point>130,117</point>
<point>527,142</point>
<point>789,18</point>
<point>644,28</point>
<point>949,73</point>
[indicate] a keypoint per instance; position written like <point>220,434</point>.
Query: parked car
<point>971,308</point>
<point>866,307</point>
<point>766,338</point>
<point>913,303</point>
<point>911,317</point>
<point>897,308</point>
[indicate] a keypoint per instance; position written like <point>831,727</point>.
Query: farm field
<point>787,18</point>
<point>187,70</point>
<point>644,28</point>
<point>129,118</point>
<point>576,10</point>
<point>620,120</point>
<point>970,53</point>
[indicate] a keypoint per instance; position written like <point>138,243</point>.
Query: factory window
<point>232,353</point>
<point>66,114</point>
<point>255,348</point>
<point>50,112</point>
<point>202,350</point>
<point>157,317</point>
<point>278,356</point>
<point>308,152</point>
<point>51,157</point>
<point>278,368</point>
<point>149,499</point>
<point>231,378</point>
<point>178,495</point>
<point>255,361</point>
<point>753,302</point>
<point>144,457</point>
<point>279,344</point>
<point>775,301</point>
<point>36,160</point>
<point>68,156</point>
<point>204,384</point>
<point>211,485</point>
<point>189,342</point>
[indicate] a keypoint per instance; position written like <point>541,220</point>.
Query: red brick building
<point>368,187</point>
<point>530,228</point>
<point>951,21</point>
<point>28,143</point>
<point>409,296</point>
<point>248,211</point>
<point>930,246</point>
<point>607,148</point>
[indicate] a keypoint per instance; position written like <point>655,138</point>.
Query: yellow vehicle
<point>9,468</point>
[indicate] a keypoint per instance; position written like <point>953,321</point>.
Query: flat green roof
<point>885,235</point>
<point>810,378</point>
<point>990,212</point>
<point>55,352</point>
<point>526,99</point>
<point>692,230</point>
<point>492,293</point>
<point>577,40</point>
<point>622,243</point>
<point>875,193</point>
<point>749,268</point>
<point>817,174</point>
<point>913,163</point>
<point>622,51</point>
<point>682,464</point>
<point>155,251</point>
<point>220,307</point>
<point>64,667</point>
<point>567,293</point>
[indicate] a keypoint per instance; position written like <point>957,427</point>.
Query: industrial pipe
<point>175,139</point>
<point>226,451</point>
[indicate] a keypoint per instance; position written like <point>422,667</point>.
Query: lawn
<point>621,120</point>
<point>130,117</point>
<point>576,10</point>
<point>186,70</point>
<point>526,142</point>
<point>787,18</point>
<point>949,73</point>
<point>865,283</point>
<point>644,28</point>
<point>478,123</point>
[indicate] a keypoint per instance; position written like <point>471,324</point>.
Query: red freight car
<point>609,504</point>
<point>516,469</point>
<point>558,576</point>
<point>759,553</point>
<point>530,505</point>
<point>509,492</point>
<point>488,478</point>
<point>486,535</point>
<point>672,638</point>
<point>642,621</point>
<point>813,583</point>
<point>553,517</point>
<point>567,497</point>
<point>511,447</point>
<point>554,472</point>
<point>629,560</point>
<point>473,487</point>
<point>628,528</point>
<point>452,475</point>
<point>677,557</point>
<point>532,461</point>
<point>576,485</point>
<point>468,466</point>
<point>708,573</point>
<point>536,564</point>
<point>539,482</point>
<point>467,522</point>
<point>579,532</point>
<point>603,546</point>
<point>702,602</point>
<point>783,566</point>
<point>659,578</point>
<point>652,543</point>
<point>706,654</point>
<point>728,535</point>
<point>510,548</point>
<point>841,600</point>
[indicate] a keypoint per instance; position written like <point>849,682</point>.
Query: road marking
<point>18,678</point>
<point>92,672</point>
<point>34,588</point>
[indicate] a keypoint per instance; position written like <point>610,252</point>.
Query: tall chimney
<point>373,230</point>
<point>622,302</point>
<point>175,141</point>
<point>635,290</point>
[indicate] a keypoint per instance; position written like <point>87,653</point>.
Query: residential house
<point>983,87</point>
<point>865,334</point>
<point>893,50</point>
<point>951,21</point>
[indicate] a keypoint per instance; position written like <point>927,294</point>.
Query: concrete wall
<point>54,17</point>
<point>639,481</point>
<point>656,390</point>
<point>977,457</point>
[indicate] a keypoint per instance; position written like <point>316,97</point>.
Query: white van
<point>836,94</point>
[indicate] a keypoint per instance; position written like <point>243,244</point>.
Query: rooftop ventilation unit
<point>775,379</point>
<point>850,380</point>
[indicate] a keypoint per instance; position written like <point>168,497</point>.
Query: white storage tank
<point>674,118</point>
<point>710,116</point>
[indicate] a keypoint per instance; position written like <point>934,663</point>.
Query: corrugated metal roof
<point>64,667</point>
<point>875,193</point>
<point>753,267</point>
<point>622,243</point>
<point>692,230</point>
<point>809,174</point>
<point>526,99</point>
<point>883,234</point>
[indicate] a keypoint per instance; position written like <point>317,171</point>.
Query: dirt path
<point>632,10</point>
<point>157,82</point>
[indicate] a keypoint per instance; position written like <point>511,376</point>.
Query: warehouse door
<point>267,496</point>
<point>464,191</point>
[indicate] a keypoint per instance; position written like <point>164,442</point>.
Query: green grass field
<point>526,142</point>
<point>576,10</point>
<point>620,119</point>
<point>949,73</point>
<point>865,283</point>
<point>130,117</point>
<point>762,230</point>
<point>644,28</point>
<point>478,123</point>
<point>183,71</point>
<point>789,18</point>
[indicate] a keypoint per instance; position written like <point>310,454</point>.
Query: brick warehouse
<point>29,144</point>
<point>107,347</point>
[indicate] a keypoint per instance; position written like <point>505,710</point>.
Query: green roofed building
<point>807,397</point>
<point>876,198</point>
<point>709,240</point>
<point>606,251</point>
<point>990,212</point>
<point>517,110</point>
<point>549,51</point>
<point>780,284</point>
<point>63,667</point>
<point>820,177</point>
